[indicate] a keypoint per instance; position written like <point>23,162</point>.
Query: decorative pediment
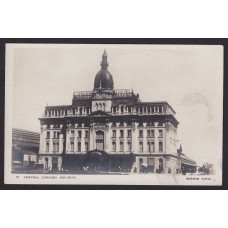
<point>99,113</point>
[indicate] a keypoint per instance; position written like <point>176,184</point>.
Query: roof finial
<point>104,62</point>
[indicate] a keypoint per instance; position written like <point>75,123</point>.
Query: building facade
<point>109,130</point>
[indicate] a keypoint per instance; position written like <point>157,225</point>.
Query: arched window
<point>100,140</point>
<point>72,146</point>
<point>47,146</point>
<point>122,109</point>
<point>113,146</point>
<point>129,146</point>
<point>57,146</point>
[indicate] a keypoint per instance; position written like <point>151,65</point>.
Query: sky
<point>188,77</point>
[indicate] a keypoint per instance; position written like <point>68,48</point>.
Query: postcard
<point>113,114</point>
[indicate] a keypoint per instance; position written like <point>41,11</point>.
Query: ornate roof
<point>103,79</point>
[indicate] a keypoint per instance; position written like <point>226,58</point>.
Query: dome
<point>103,79</point>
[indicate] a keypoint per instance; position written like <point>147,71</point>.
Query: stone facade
<point>109,128</point>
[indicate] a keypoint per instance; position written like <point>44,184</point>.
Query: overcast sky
<point>189,78</point>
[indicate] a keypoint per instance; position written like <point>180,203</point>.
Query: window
<point>141,133</point>
<point>122,109</point>
<point>86,134</point>
<point>57,147</point>
<point>55,134</point>
<point>121,146</point>
<point>114,133</point>
<point>58,133</point>
<point>79,146</point>
<point>79,134</point>
<point>48,134</point>
<point>121,133</point>
<point>47,146</point>
<point>86,146</point>
<point>160,146</point>
<point>152,147</point>
<point>129,146</point>
<point>114,146</point>
<point>72,134</point>
<point>129,133</point>
<point>148,146</point>
<point>140,146</point>
<point>99,135</point>
<point>160,133</point>
<point>72,146</point>
<point>150,133</point>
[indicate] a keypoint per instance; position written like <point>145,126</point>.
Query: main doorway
<point>100,140</point>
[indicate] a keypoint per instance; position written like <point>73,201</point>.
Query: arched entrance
<point>100,140</point>
<point>97,161</point>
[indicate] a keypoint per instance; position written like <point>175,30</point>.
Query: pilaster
<point>117,137</point>
<point>135,137</point>
<point>83,139</point>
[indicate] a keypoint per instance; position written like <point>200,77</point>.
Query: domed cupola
<point>103,79</point>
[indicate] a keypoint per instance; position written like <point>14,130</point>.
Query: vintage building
<point>109,130</point>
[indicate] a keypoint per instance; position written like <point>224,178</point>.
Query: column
<point>144,138</point>
<point>60,143</point>
<point>42,139</point>
<point>156,141</point>
<point>83,138</point>
<point>125,138</point>
<point>91,137</point>
<point>67,140</point>
<point>166,135</point>
<point>135,140</point>
<point>51,140</point>
<point>108,141</point>
<point>117,137</point>
<point>75,138</point>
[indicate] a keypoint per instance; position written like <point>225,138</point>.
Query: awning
<point>17,162</point>
<point>189,164</point>
<point>144,164</point>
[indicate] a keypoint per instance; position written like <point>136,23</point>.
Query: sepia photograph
<point>114,114</point>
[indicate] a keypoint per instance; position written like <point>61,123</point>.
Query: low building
<point>25,149</point>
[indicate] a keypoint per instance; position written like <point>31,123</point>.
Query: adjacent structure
<point>109,130</point>
<point>25,149</point>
